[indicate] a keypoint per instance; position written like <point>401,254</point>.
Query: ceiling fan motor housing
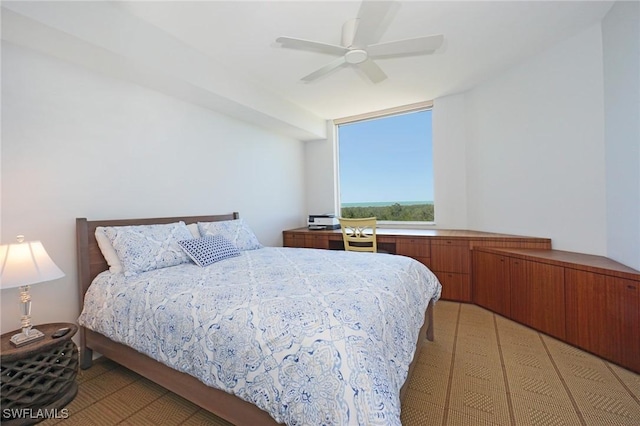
<point>356,56</point>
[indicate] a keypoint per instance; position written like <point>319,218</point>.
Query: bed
<point>193,342</point>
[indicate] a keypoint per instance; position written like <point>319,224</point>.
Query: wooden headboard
<point>90,259</point>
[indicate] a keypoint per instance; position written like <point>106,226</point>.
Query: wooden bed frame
<point>231,408</point>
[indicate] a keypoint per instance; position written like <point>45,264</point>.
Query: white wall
<point>79,144</point>
<point>450,162</point>
<point>320,175</point>
<point>535,149</point>
<point>621,43</point>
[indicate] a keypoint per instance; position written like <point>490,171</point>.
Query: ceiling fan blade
<point>373,19</point>
<point>334,65</point>
<point>298,43</point>
<point>372,70</point>
<point>411,46</point>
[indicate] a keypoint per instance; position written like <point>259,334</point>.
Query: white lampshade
<point>26,263</point>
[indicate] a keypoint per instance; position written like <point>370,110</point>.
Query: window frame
<point>405,109</point>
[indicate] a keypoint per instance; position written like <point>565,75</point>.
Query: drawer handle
<point>631,287</point>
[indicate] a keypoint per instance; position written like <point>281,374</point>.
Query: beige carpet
<point>481,370</point>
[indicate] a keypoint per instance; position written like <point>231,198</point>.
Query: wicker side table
<point>38,379</point>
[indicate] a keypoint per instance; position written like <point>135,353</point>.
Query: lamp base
<point>22,339</point>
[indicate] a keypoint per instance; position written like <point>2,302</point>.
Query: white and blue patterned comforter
<point>310,336</point>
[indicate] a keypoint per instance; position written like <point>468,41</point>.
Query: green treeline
<point>417,212</point>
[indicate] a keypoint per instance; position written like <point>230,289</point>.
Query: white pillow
<point>110,254</point>
<point>193,228</point>
<point>142,248</point>
<point>236,231</point>
<point>108,251</point>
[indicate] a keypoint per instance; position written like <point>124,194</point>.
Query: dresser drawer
<point>316,241</point>
<point>293,240</point>
<point>413,247</point>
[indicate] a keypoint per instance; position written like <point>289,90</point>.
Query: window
<point>385,165</point>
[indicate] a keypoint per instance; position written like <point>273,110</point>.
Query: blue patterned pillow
<point>236,231</point>
<point>142,248</point>
<point>207,250</point>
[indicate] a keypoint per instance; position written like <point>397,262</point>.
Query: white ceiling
<point>222,55</point>
<point>481,39</point>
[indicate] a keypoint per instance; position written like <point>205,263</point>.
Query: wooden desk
<point>447,252</point>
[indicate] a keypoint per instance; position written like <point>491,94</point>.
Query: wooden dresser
<point>588,301</point>
<point>446,252</point>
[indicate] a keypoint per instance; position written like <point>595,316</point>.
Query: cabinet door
<point>603,316</point>
<point>491,287</point>
<point>455,286</point>
<point>537,296</point>
<point>450,256</point>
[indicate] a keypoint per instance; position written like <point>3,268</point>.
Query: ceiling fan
<point>360,43</point>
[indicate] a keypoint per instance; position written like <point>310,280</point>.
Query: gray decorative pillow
<point>236,231</point>
<point>207,250</point>
<point>142,248</point>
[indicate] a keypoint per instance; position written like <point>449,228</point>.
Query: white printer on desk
<point>323,221</point>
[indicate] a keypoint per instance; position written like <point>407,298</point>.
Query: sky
<point>387,159</point>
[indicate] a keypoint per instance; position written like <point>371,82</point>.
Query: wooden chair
<point>359,234</point>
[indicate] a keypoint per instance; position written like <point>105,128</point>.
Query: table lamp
<point>23,264</point>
